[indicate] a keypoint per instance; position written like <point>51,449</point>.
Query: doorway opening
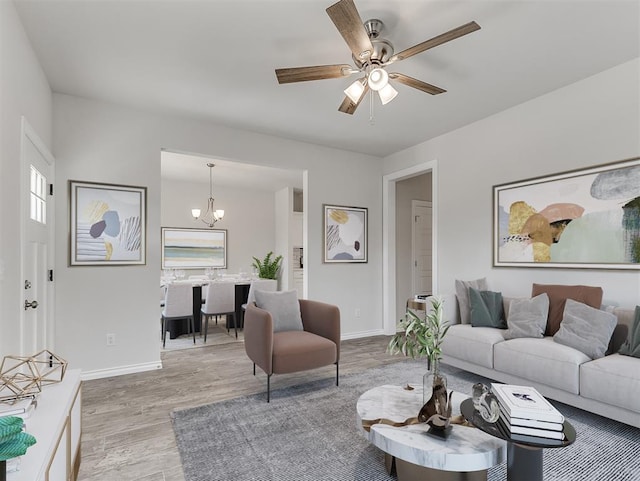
<point>399,188</point>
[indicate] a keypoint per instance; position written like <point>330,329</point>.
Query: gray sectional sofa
<point>608,386</point>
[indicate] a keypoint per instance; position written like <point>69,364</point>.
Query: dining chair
<point>269,285</point>
<point>178,304</point>
<point>220,302</point>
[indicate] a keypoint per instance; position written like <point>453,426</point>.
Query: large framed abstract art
<point>194,248</point>
<point>345,234</point>
<point>107,224</point>
<point>588,218</point>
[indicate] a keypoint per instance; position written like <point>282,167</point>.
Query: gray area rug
<point>308,432</point>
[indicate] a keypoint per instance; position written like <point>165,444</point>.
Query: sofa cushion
<point>487,309</point>
<point>613,379</point>
<point>542,361</point>
<point>558,294</point>
<point>472,344</point>
<point>283,307</point>
<point>462,294</point>
<point>527,317</point>
<point>586,329</point>
<point>632,345</point>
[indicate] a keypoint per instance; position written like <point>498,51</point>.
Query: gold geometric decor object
<point>24,376</point>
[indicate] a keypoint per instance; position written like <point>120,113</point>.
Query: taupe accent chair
<point>317,345</point>
<point>178,304</point>
<point>220,301</point>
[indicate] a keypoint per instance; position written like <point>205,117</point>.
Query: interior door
<point>422,233</point>
<point>37,328</point>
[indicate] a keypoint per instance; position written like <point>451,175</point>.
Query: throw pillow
<point>632,345</point>
<point>586,329</point>
<point>558,294</point>
<point>527,317</point>
<point>462,294</point>
<point>486,309</point>
<point>283,307</point>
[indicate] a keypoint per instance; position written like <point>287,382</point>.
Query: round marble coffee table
<point>465,454</point>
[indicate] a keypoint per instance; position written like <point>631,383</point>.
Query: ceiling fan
<point>371,55</point>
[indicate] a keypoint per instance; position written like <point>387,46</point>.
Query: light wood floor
<point>126,428</point>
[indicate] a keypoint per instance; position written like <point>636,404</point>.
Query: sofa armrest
<point>323,320</point>
<point>258,337</point>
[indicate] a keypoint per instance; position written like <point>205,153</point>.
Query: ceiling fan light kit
<point>371,55</point>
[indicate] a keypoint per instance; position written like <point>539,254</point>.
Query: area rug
<point>308,432</point>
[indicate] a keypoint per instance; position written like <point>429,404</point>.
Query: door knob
<point>32,304</point>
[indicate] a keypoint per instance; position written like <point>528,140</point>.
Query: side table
<point>524,460</point>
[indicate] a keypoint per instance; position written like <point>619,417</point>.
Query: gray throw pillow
<point>462,294</point>
<point>527,317</point>
<point>632,345</point>
<point>487,309</point>
<point>586,329</point>
<point>283,307</point>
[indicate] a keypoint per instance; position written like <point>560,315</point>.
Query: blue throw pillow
<point>487,309</point>
<point>632,346</point>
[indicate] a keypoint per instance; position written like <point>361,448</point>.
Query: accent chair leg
<point>254,368</point>
<point>268,387</point>
<point>337,373</point>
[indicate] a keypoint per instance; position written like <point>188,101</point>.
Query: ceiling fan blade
<point>416,84</point>
<point>348,106</point>
<point>435,41</point>
<point>346,18</point>
<point>318,72</point>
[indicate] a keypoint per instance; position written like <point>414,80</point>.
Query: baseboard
<point>120,371</point>
<point>361,334</point>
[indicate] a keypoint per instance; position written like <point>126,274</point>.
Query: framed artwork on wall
<point>194,248</point>
<point>345,234</point>
<point>107,224</point>
<point>587,218</point>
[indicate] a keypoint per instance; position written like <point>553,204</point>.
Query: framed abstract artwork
<point>107,224</point>
<point>345,234</point>
<point>587,218</point>
<point>194,248</point>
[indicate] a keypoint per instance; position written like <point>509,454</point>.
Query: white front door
<point>37,328</point>
<point>422,233</point>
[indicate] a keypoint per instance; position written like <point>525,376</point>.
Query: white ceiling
<point>215,60</point>
<point>192,168</point>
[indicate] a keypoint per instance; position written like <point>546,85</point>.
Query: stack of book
<point>21,408</point>
<point>526,416</point>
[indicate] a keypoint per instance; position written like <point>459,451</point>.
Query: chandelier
<point>212,215</point>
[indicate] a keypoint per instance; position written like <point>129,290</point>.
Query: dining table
<point>242,284</point>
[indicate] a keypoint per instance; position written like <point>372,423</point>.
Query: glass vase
<point>432,381</point>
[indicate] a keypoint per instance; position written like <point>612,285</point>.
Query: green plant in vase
<point>269,267</point>
<point>422,337</point>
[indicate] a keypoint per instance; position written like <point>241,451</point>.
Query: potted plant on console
<point>269,267</point>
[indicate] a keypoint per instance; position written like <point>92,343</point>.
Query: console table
<point>56,423</point>
<point>465,454</point>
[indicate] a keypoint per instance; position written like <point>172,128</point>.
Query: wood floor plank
<point>127,432</point>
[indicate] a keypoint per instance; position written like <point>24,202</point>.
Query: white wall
<point>109,143</point>
<point>590,122</point>
<point>248,218</point>
<point>24,91</point>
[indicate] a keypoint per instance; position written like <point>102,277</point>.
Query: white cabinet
<point>56,425</point>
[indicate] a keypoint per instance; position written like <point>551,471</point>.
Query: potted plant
<point>268,268</point>
<point>422,337</point>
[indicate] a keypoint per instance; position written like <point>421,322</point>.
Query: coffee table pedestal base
<point>523,463</point>
<point>412,472</point>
